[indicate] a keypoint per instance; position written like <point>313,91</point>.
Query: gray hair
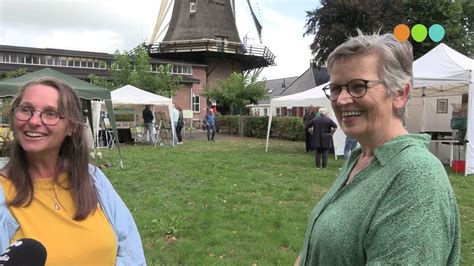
<point>396,58</point>
<point>323,111</point>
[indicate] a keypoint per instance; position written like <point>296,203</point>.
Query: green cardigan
<point>401,209</point>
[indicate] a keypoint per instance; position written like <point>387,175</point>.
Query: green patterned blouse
<point>401,209</point>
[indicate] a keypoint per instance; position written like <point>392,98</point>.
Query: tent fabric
<point>130,96</point>
<point>85,90</point>
<point>442,68</point>
<point>315,97</point>
<point>445,72</point>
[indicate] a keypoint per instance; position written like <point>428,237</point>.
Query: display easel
<point>106,135</point>
<point>163,130</point>
<point>188,123</point>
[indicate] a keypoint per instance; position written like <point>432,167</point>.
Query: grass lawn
<point>229,202</point>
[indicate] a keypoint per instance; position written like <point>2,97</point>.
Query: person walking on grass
<point>179,126</point>
<point>210,119</point>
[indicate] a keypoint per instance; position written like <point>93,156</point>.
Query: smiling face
<point>36,138</point>
<point>370,118</point>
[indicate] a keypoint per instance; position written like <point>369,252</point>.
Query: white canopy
<point>315,97</point>
<point>129,96</point>
<point>444,72</point>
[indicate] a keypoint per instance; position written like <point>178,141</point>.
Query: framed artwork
<point>442,106</point>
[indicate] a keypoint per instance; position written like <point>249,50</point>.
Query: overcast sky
<point>107,25</point>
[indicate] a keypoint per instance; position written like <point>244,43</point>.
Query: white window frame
<point>192,6</point>
<point>196,105</point>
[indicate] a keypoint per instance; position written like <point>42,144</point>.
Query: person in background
<point>307,134</point>
<point>210,119</point>
<point>175,118</point>
<point>179,126</point>
<point>148,118</point>
<point>323,128</point>
<point>50,192</point>
<point>392,203</point>
<point>349,145</point>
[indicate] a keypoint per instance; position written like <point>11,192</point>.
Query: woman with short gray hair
<point>392,202</point>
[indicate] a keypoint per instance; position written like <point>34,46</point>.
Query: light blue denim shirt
<point>130,250</point>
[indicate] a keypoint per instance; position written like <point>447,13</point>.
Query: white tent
<point>315,97</point>
<point>443,72</point>
<point>129,96</point>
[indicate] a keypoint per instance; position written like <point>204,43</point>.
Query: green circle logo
<point>419,32</point>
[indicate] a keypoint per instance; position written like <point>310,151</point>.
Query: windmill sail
<point>164,8</point>
<point>257,23</point>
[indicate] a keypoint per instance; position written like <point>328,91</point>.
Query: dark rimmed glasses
<point>48,117</point>
<point>356,88</point>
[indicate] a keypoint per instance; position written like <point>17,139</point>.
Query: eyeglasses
<point>356,88</point>
<point>48,117</point>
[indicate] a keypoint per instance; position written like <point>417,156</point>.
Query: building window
<point>21,59</point>
<point>196,103</point>
<point>265,111</point>
<point>289,112</point>
<point>182,70</point>
<point>278,111</point>
<point>36,60</point>
<point>192,6</point>
<point>49,60</point>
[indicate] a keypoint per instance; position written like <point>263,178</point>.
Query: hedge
<point>290,128</point>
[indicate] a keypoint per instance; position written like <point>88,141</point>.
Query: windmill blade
<point>258,26</point>
<point>164,8</point>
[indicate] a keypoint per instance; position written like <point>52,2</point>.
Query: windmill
<point>205,32</point>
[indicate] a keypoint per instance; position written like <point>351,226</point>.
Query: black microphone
<point>25,252</point>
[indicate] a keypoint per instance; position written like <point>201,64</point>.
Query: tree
<point>135,69</point>
<point>15,73</point>
<point>446,13</point>
<point>239,90</point>
<point>335,20</point>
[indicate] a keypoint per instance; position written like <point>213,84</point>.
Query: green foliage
<point>228,123</point>
<point>333,21</point>
<point>239,90</point>
<point>15,73</point>
<point>289,128</point>
<point>101,82</point>
<point>135,69</point>
<point>449,14</point>
<point>231,203</point>
<point>124,117</point>
<point>256,126</point>
<point>167,84</point>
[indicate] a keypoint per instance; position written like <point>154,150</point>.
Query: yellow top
<point>49,219</point>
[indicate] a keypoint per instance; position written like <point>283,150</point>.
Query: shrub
<point>290,128</point>
<point>124,117</point>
